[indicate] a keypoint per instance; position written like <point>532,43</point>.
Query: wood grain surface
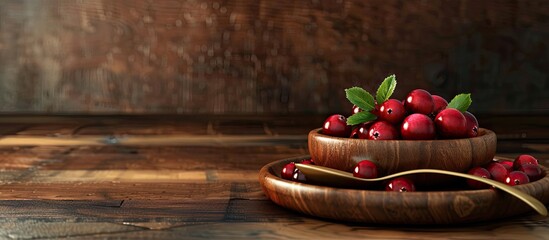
<point>392,156</point>
<point>249,56</point>
<point>374,205</point>
<point>128,191</point>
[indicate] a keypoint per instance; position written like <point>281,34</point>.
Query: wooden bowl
<point>391,156</point>
<point>410,208</point>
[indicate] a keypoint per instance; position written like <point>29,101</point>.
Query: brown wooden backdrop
<point>267,56</point>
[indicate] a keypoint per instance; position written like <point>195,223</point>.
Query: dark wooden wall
<point>267,56</point>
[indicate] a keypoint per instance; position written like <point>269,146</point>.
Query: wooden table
<point>193,177</point>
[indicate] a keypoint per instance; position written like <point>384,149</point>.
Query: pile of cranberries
<point>522,170</point>
<point>422,116</point>
<point>364,169</point>
<point>368,169</point>
<point>290,172</point>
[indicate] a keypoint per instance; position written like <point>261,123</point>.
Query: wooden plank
<point>33,229</point>
<point>152,140</point>
<point>145,128</point>
<point>539,147</point>
<point>535,148</point>
<point>140,211</point>
<point>152,176</point>
<point>184,210</point>
<point>119,191</point>
<point>315,229</point>
<point>525,228</point>
<point>144,158</point>
<point>134,176</point>
<point>41,129</point>
<point>195,220</point>
<point>158,215</point>
<point>12,128</point>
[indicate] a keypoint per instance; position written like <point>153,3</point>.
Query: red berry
<point>392,111</point>
<point>299,176</point>
<point>288,171</point>
<point>517,178</point>
<point>356,109</point>
<point>375,111</point>
<point>354,133</point>
<point>451,123</point>
<point>498,172</point>
<point>507,164</point>
<point>472,125</point>
<point>534,172</point>
<point>440,103</point>
<point>524,159</point>
<point>479,172</point>
<point>419,101</point>
<point>365,169</point>
<point>361,131</point>
<point>308,161</point>
<point>336,125</point>
<point>417,127</point>
<point>400,184</point>
<point>382,130</point>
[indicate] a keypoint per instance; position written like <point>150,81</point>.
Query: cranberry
<point>440,103</point>
<point>419,101</point>
<point>392,111</point>
<point>308,161</point>
<point>533,171</point>
<point>417,127</point>
<point>299,176</point>
<point>524,159</point>
<point>498,171</point>
<point>361,131</point>
<point>336,125</point>
<point>356,109</point>
<point>288,171</point>
<point>375,111</point>
<point>451,123</point>
<point>354,133</point>
<point>365,169</point>
<point>517,178</point>
<point>382,130</point>
<point>400,184</point>
<point>507,164</point>
<point>472,125</point>
<point>479,172</point>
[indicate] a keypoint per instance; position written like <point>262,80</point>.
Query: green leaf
<point>360,98</point>
<point>461,102</point>
<point>360,117</point>
<point>386,89</point>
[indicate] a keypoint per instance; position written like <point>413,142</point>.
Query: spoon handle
<point>329,175</point>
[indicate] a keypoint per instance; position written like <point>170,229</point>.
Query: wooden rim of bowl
<point>483,134</point>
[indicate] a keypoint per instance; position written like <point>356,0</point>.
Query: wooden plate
<point>417,208</point>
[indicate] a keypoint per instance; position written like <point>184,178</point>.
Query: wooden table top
<point>172,177</point>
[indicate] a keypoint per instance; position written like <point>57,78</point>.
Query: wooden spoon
<point>334,177</point>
